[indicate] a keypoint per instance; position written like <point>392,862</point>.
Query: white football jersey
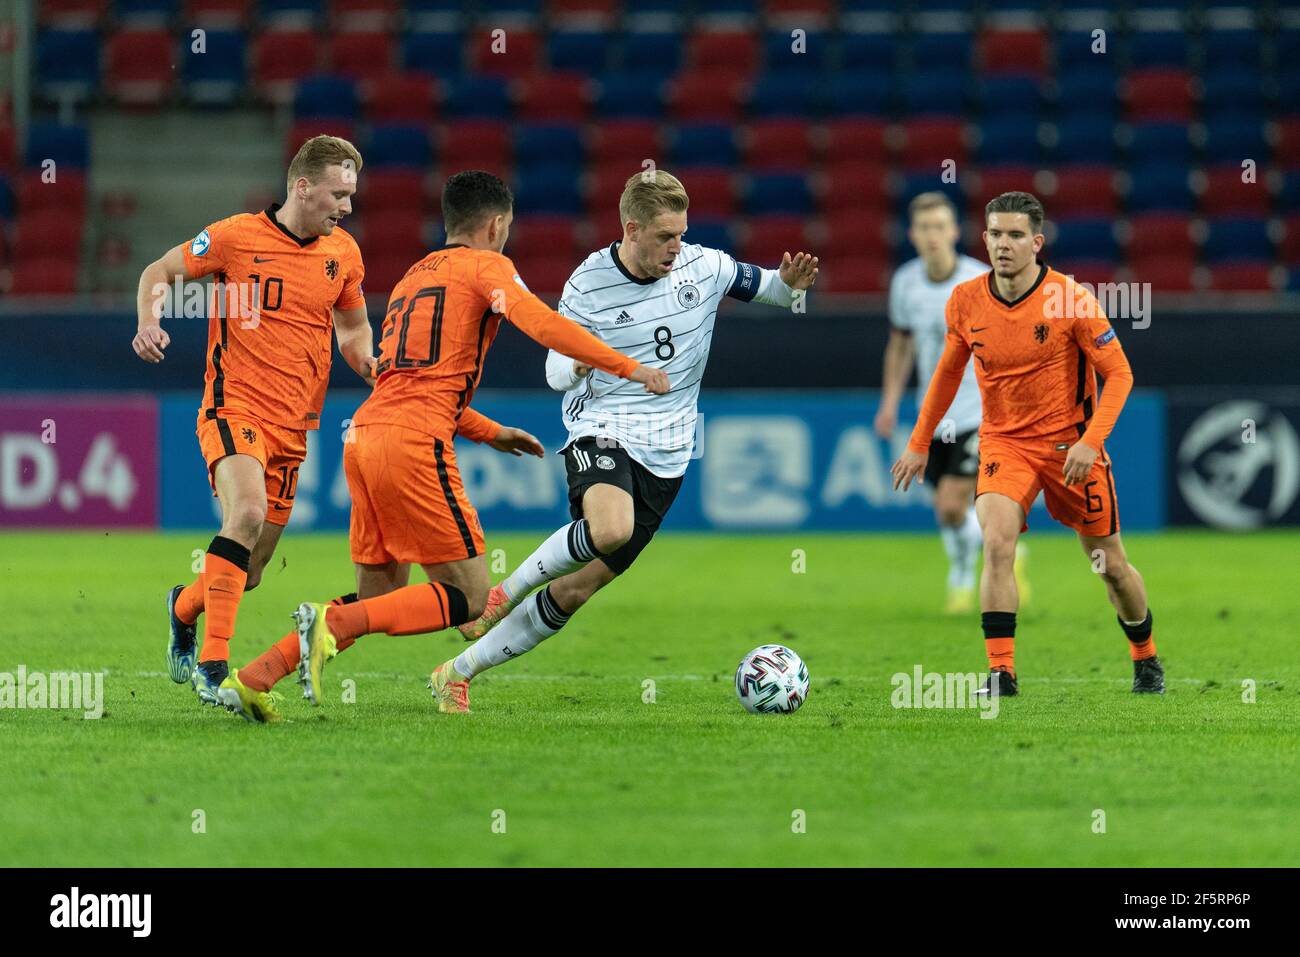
<point>663,323</point>
<point>917,305</point>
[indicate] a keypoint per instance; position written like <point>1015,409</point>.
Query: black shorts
<point>594,461</point>
<point>961,457</point>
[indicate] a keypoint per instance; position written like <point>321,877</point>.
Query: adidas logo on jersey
<point>622,318</point>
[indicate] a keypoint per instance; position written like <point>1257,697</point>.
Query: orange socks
<point>189,603</point>
<point>1141,643</point>
<point>263,672</point>
<point>225,570</point>
<point>413,610</point>
<point>1000,640</point>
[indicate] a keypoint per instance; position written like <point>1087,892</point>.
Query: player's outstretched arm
<point>563,373</point>
<point>477,427</point>
<point>151,297</point>
<point>356,341</point>
<point>900,351</point>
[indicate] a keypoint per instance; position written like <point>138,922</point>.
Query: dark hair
<point>1018,202</point>
<point>471,196</point>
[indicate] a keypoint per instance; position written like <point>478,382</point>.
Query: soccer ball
<point>772,679</point>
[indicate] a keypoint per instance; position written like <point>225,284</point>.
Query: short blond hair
<point>649,193</point>
<point>924,202</point>
<point>319,153</point>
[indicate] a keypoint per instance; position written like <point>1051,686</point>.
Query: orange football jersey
<point>1036,361</point>
<point>271,322</point>
<point>441,320</point>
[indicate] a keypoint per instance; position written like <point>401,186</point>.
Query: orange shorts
<point>280,450</point>
<point>408,503</point>
<point>1020,468</point>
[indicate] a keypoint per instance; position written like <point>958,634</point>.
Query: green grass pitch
<point>564,763</point>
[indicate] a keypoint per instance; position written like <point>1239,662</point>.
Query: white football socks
<point>526,627</point>
<point>963,546</point>
<point>567,550</point>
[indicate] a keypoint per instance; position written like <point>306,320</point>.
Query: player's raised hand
<point>910,465</point>
<point>799,272</point>
<point>655,380</point>
<point>517,442</point>
<point>1078,463</point>
<point>150,342</point>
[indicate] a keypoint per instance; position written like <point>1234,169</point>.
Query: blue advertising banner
<point>764,461</point>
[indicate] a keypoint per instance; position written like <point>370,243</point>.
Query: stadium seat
<point>1158,48</point>
<point>302,131</point>
<point>281,59</point>
<point>362,56</point>
<point>220,14</point>
<point>399,145</point>
<point>596,12</point>
<point>1092,271</point>
<point>716,234</point>
<point>1239,93</point>
<point>291,14</point>
<point>949,50</point>
<point>1087,91</point>
<point>1166,273</point>
<point>67,63</point>
<point>1158,186</point>
<point>71,13</point>
<point>1083,191</point>
<point>512,53</point>
<point>1287,145</point>
<point>778,145</point>
<point>48,232</point>
<point>941,91</point>
<point>1237,239</point>
<point>1229,50</point>
<point>703,144</point>
<point>44,276</point>
<point>578,51</point>
<point>1010,136</point>
<point>8,148</point>
<point>215,76</point>
<point>68,146</point>
<point>1230,138</point>
<point>386,190</point>
<point>546,275</point>
<point>712,190</point>
<point>604,186</point>
<point>853,233</point>
<point>363,15</point>
<point>625,142</point>
<point>915,183</point>
<point>145,14</point>
<point>778,194</point>
<point>548,145</point>
<point>857,184</point>
<point>401,98</point>
<point>1009,94</point>
<point>1075,51</point>
<point>699,97</point>
<point>656,53</point>
<point>1084,239</point>
<point>1153,235</point>
<point>547,189</point>
<point>552,98</point>
<point>1084,138</point>
<point>1225,194</point>
<point>385,270</point>
<point>856,274</point>
<point>1158,95</point>
<point>623,96</point>
<point>439,54</point>
<point>1019,52</point>
<point>927,144</point>
<point>534,237</point>
<point>786,95</point>
<point>1166,143</point>
<point>141,66</point>
<point>810,58</point>
<point>868,51</point>
<point>858,137</point>
<point>67,194</point>
<point>861,93</point>
<point>766,238</point>
<point>1241,277</point>
<point>994,180</point>
<point>1288,192</point>
<point>397,233</point>
<point>479,144</point>
<point>1290,245</point>
<point>723,51</point>
<point>477,97</point>
<point>325,96</point>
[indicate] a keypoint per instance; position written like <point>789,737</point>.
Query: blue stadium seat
<point>6,199</point>
<point>1288,87</point>
<point>1005,138</point>
<point>704,145</point>
<point>1231,137</point>
<point>1084,239</point>
<point>861,93</point>
<point>399,145</point>
<point>1074,51</point>
<point>160,10</point>
<point>1237,240</point>
<point>548,189</point>
<point>779,55</point>
<point>66,145</point>
<point>1086,90</point>
<point>1231,49</point>
<point>658,52</point>
<point>271,9</point>
<point>1010,94</point>
<point>67,58</point>
<point>217,75</point>
<point>1163,142</point>
<point>333,97</point>
<point>868,51</point>
<point>917,183</point>
<point>939,92</point>
<point>1288,194</point>
<point>715,235</point>
<point>516,8</point>
<point>778,193</point>
<point>551,145</point>
<point>785,94</point>
<point>578,51</point>
<point>1288,45</point>
<point>1241,89</point>
<point>1155,48</point>
<point>950,50</point>
<point>440,54</point>
<point>630,96</point>
<point>1085,138</point>
<point>1158,186</point>
<point>485,97</point>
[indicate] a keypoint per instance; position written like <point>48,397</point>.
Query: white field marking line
<point>508,676</point>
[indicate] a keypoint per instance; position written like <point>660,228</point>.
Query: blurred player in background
<point>1039,340</point>
<point>918,294</point>
<point>408,502</point>
<point>654,297</point>
<point>286,278</point>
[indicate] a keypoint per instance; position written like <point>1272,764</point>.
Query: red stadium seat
<point>859,139</point>
<point>855,274</point>
<point>71,13</point>
<point>280,59</point>
<point>552,98</point>
<point>1014,52</point>
<point>394,233</point>
<point>363,14</point>
<point>768,237</point>
<point>927,143</point>
<point>853,233</point>
<point>1087,270</point>
<point>1290,247</point>
<point>44,276</point>
<point>995,180</point>
<point>534,237</point>
<point>792,9</point>
<point>727,51</point>
<point>218,13</point>
<point>141,66</point>
<point>851,183</point>
<point>1242,277</point>
<point>362,56</point>
<point>66,194</point>
<point>1159,235</point>
<point>1288,142</point>
<point>779,145</point>
<point>392,190</point>
<point>1084,191</point>
<point>304,130</point>
<point>384,271</point>
<point>1158,95</point>
<point>605,186</point>
<point>592,12</point>
<point>521,55</point>
<point>49,233</point>
<point>712,96</point>
<point>712,191</point>
<point>478,144</point>
<point>546,275</point>
<point>625,142</point>
<point>1226,195</point>
<point>8,144</point>
<point>1165,273</point>
<point>401,98</point>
